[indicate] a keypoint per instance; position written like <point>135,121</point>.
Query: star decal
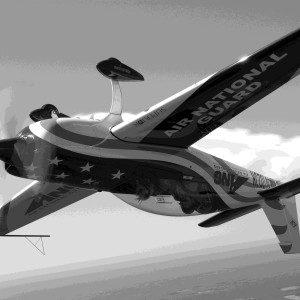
<point>54,161</point>
<point>117,175</point>
<point>38,198</point>
<point>30,168</point>
<point>89,181</point>
<point>62,175</point>
<point>33,176</point>
<point>87,168</point>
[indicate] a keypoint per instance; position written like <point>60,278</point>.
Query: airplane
<point>149,162</point>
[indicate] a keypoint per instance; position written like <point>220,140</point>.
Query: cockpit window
<point>21,132</point>
<point>26,135</point>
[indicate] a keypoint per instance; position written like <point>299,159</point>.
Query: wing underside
<point>36,201</point>
<point>193,113</point>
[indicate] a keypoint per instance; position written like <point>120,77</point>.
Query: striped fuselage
<point>158,179</point>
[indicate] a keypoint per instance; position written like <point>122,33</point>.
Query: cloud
<point>269,154</point>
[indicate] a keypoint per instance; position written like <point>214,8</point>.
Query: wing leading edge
<point>36,201</point>
<point>193,113</point>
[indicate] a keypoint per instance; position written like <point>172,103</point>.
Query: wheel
<point>143,192</point>
<point>205,206</point>
<point>186,209</point>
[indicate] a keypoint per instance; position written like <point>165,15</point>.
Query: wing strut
<point>115,114</point>
<point>38,244</point>
<point>116,105</point>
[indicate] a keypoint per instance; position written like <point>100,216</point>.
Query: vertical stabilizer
<point>282,214</point>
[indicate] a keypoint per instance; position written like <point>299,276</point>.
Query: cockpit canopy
<point>47,111</point>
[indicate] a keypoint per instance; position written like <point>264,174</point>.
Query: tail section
<point>281,210</point>
<point>282,214</point>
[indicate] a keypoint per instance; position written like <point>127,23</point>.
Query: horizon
<point>146,258</point>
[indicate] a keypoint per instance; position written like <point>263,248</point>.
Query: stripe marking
<point>194,165</point>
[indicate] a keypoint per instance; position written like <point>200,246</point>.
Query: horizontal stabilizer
<point>285,190</point>
<point>228,215</point>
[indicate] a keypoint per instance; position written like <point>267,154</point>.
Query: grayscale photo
<point>149,150</point>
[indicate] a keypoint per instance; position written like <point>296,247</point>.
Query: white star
<point>87,168</point>
<point>62,175</point>
<point>54,161</point>
<point>117,175</point>
<point>38,198</point>
<point>89,181</point>
<point>30,168</point>
<point>33,176</point>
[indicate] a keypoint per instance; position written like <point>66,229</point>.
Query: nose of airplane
<point>7,149</point>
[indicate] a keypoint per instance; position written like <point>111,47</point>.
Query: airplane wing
<point>36,201</point>
<point>188,116</point>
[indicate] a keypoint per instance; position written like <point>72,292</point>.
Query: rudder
<point>282,215</point>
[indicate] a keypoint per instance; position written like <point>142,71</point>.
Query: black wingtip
<point>114,69</point>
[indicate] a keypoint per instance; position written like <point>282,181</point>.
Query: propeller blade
<point>7,149</point>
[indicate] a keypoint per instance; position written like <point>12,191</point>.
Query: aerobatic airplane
<point>149,162</point>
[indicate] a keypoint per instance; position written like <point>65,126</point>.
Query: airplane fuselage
<point>165,180</point>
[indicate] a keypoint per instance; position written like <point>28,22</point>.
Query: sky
<point>48,54</point>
